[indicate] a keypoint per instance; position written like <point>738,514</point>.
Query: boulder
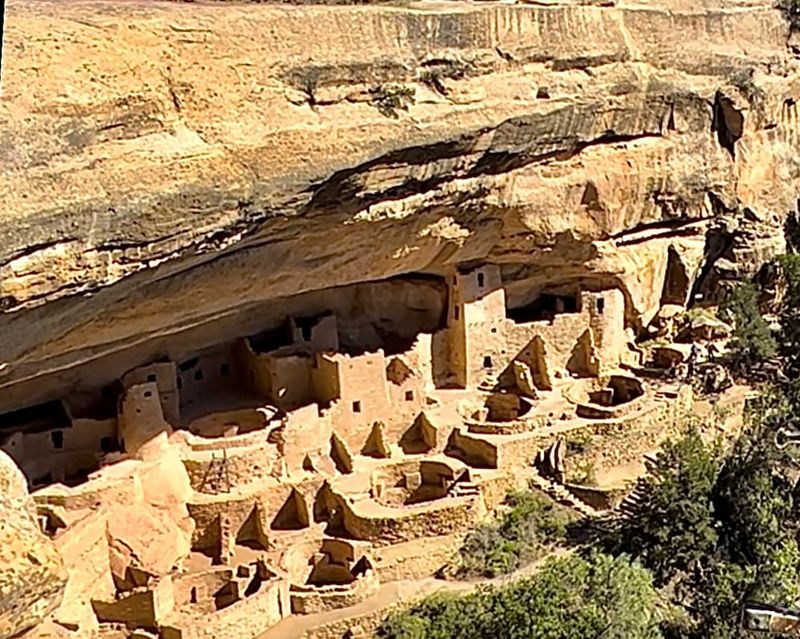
<point>32,574</point>
<point>145,542</point>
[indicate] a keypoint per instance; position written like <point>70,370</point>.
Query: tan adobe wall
<point>290,379</point>
<point>325,378</point>
<point>384,525</point>
<point>165,376</point>
<point>198,442</point>
<point>252,368</point>
<point>79,452</point>
<point>284,378</point>
<point>561,337</point>
<point>198,589</point>
<point>406,399</point>
<point>417,558</point>
<point>248,617</point>
<point>305,432</point>
<point>144,608</point>
<point>268,498</point>
<point>626,440</point>
<point>607,321</point>
<point>242,465</point>
<point>143,430</point>
<point>363,398</point>
<point>474,451</point>
<point>119,487</point>
<point>321,335</point>
<point>225,424</point>
<point>496,485</point>
<point>476,324</point>
<point>312,599</point>
<point>208,375</point>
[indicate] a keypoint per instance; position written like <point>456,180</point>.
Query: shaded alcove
<point>676,280</point>
<point>293,515</point>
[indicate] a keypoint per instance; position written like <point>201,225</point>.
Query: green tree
<point>570,598</point>
<point>738,541</point>
<point>790,312</point>
<point>671,527</point>
<point>752,341</point>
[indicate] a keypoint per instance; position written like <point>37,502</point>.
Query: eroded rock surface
<point>32,575</point>
<point>172,168</point>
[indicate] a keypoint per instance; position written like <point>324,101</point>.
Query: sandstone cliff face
<point>170,167</point>
<point>32,575</point>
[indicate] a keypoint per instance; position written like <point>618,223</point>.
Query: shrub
<point>752,341</point>
<point>434,74</point>
<point>569,598</point>
<point>578,443</point>
<point>531,523</point>
<point>584,474</point>
<point>388,99</point>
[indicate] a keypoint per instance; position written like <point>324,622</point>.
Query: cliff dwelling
<point>292,297</point>
<point>267,464</point>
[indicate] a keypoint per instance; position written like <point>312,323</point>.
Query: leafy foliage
<point>672,527</point>
<point>720,529</point>
<point>522,533</point>
<point>570,598</point>
<point>389,98</point>
<point>790,312</point>
<point>434,74</point>
<point>752,341</point>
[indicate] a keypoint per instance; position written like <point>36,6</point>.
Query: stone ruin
<point>270,346</point>
<point>296,470</point>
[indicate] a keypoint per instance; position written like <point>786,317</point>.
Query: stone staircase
<point>634,497</point>
<point>464,489</point>
<point>563,496</point>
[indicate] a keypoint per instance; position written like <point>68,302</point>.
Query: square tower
<point>476,325</point>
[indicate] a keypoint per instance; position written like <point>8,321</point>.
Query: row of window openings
<point>106,443</point>
<point>600,305</point>
<point>409,397</point>
<point>224,370</point>
<point>481,280</point>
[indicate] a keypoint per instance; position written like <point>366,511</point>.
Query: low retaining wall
<point>310,599</point>
<point>249,617</point>
<point>383,525</point>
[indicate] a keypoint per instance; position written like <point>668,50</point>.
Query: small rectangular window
<point>198,375</point>
<point>480,280</point>
<point>107,445</point>
<point>224,370</point>
<point>151,377</point>
<point>58,438</point>
<point>601,304</point>
<point>487,362</point>
<point>409,396</point>
<point>356,407</point>
<point>455,312</point>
